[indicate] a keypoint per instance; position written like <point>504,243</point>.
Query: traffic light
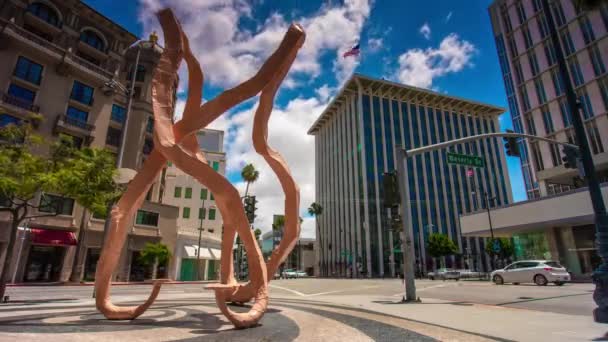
<point>570,158</point>
<point>391,189</point>
<point>511,145</point>
<point>250,208</point>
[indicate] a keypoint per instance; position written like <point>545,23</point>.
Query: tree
<point>250,175</point>
<point>507,249</point>
<point>154,254</point>
<point>257,233</point>
<point>316,210</point>
<point>30,167</point>
<point>440,245</point>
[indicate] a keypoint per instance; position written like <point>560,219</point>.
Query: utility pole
<point>200,232</point>
<point>600,276</point>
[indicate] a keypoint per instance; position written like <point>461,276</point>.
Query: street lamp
<point>200,231</point>
<point>487,200</point>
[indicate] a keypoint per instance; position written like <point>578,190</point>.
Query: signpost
<point>466,160</point>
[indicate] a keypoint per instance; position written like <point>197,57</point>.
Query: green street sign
<point>463,159</point>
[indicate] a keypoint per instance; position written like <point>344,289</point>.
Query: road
<point>572,299</point>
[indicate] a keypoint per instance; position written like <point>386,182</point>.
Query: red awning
<point>53,237</point>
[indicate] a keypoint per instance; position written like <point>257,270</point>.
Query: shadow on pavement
<point>421,303</point>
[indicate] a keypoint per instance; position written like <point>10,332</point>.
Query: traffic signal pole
<point>407,231</point>
<point>600,276</point>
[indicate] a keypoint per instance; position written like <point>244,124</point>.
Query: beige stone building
<point>57,59</point>
<point>199,223</point>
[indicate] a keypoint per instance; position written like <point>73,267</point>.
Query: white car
<point>301,274</point>
<point>444,274</point>
<point>540,272</point>
<point>289,273</point>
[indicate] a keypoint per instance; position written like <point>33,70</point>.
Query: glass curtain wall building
<point>355,141</point>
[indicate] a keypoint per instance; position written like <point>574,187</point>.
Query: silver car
<point>444,274</point>
<point>540,272</point>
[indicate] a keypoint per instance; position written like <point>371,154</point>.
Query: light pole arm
<point>420,150</point>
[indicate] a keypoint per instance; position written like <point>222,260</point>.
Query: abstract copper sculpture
<point>177,143</point>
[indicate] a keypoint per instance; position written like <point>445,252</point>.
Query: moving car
<point>444,274</point>
<point>289,273</point>
<point>540,272</point>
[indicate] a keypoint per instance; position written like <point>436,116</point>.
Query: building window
<point>538,158</point>
<point>92,39</point>
<point>540,91</point>
<point>575,71</point>
<point>211,214</point>
<point>21,93</point>
<point>560,18</point>
<point>186,213</point>
<point>6,120</point>
<point>82,93</point>
<point>585,24</point>
<point>118,113</point>
<point>567,42</point>
<point>201,213</point>
<point>216,166</point>
<point>585,101</point>
<point>550,53</point>
<point>565,111</point>
<point>543,28</point>
<point>113,136</point>
<point>78,115</point>
<point>536,4</point>
<point>521,12</point>
<point>139,76</point>
<point>28,70</point>
<point>523,93</point>
<point>530,124</point>
<point>534,68</point>
<point>148,146</point>
<point>45,13</point>
<point>555,156</point>
<point>604,13</point>
<point>150,125</point>
<point>513,47</point>
<point>211,197</point>
<point>594,137</point>
<point>203,194</point>
<point>56,204</point>
<point>547,120</point>
<point>519,75</point>
<point>603,84</point>
<point>596,60</point>
<point>527,37</point>
<point>558,82</point>
<point>505,19</point>
<point>188,193</point>
<point>177,192</point>
<point>146,218</point>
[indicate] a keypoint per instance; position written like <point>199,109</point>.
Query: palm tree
<point>315,210</point>
<point>250,175</point>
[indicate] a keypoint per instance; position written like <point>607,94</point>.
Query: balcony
<point>76,123</point>
<point>74,127</point>
<point>17,102</point>
<point>42,25</point>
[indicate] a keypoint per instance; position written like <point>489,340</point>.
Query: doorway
<point>44,264</point>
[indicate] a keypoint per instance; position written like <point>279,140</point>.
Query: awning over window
<point>206,253</point>
<point>52,237</point>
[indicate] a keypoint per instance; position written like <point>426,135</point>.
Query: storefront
<point>44,252</point>
<point>197,263</point>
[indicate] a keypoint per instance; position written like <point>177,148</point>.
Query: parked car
<point>301,274</point>
<point>444,274</point>
<point>468,274</point>
<point>540,272</point>
<point>289,273</point>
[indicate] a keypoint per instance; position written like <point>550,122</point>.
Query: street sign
<point>496,246</point>
<point>464,159</point>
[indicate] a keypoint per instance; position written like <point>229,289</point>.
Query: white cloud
<point>419,67</point>
<point>425,31</point>
<point>229,54</point>
<point>374,44</point>
<point>448,17</point>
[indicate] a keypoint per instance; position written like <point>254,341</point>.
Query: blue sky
<point>444,45</point>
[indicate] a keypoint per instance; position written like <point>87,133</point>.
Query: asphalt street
<point>572,299</point>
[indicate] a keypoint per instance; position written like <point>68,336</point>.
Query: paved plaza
<point>313,310</point>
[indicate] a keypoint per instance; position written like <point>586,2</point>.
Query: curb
<point>119,283</point>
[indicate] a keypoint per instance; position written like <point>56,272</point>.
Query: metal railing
<point>18,102</point>
<point>76,122</point>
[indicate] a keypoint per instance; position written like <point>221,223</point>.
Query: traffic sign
<point>464,159</point>
<point>496,246</point>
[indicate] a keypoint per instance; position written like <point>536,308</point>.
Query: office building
<point>57,58</point>
<point>198,215</point>
<point>557,221</point>
<point>355,144</point>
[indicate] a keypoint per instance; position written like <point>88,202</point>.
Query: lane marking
<point>320,293</point>
<point>288,290</point>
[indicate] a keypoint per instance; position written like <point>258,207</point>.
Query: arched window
<point>93,39</point>
<point>44,12</point>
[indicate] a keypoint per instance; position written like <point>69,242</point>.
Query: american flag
<point>354,51</point>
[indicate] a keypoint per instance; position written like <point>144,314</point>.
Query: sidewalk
<point>119,283</point>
